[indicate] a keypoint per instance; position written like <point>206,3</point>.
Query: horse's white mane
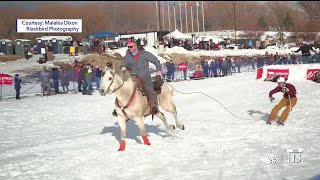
<point>125,76</point>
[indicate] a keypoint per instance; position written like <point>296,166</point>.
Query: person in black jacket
<point>305,50</point>
<point>56,77</point>
<point>26,52</point>
<point>17,85</point>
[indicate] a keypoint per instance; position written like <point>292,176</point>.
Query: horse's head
<point>112,80</point>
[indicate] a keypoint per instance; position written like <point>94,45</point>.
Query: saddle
<point>157,84</point>
<point>139,85</point>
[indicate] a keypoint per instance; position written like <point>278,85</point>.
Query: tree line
<point>130,16</point>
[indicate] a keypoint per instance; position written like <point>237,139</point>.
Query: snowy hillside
<point>76,137</point>
<point>230,34</point>
<point>228,52</point>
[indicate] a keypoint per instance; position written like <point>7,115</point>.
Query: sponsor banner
<point>6,79</point>
<point>310,73</point>
<point>182,67</point>
<point>259,73</point>
<point>278,72</point>
<point>49,25</point>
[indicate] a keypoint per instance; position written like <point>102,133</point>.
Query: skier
<point>289,100</point>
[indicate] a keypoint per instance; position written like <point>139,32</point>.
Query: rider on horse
<point>137,60</point>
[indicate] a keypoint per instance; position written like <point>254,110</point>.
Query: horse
<point>132,104</point>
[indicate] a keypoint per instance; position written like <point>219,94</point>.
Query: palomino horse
<point>131,104</point>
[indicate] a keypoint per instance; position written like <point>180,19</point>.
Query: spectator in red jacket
<point>183,67</point>
<point>78,77</point>
<point>289,100</point>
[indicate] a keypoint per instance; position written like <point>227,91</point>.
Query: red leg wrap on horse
<point>122,145</point>
<point>146,140</point>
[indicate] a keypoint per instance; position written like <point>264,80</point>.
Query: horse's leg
<point>161,116</point>
<point>170,107</point>
<point>122,124</point>
<point>140,123</point>
<point>175,114</point>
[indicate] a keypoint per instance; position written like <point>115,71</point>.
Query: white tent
<point>178,35</point>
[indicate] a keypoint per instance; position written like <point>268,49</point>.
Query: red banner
<point>259,73</point>
<point>278,72</point>
<point>6,79</point>
<point>310,73</point>
<point>182,67</point>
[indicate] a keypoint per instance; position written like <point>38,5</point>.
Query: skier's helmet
<point>281,79</point>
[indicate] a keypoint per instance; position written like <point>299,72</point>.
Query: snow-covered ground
<point>76,137</point>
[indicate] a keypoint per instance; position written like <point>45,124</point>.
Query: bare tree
<point>311,9</point>
<point>134,16</point>
<point>276,14</point>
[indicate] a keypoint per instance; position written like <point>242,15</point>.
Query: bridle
<point>112,83</point>
<point>117,101</point>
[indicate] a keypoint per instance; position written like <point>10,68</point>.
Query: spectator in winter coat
<point>224,68</point>
<point>219,66</point>
<point>84,46</point>
<point>229,67</point>
<point>203,67</point>
<point>144,41</point>
<point>50,51</point>
<point>238,64</point>
<point>164,70</point>
<point>83,71</point>
<point>64,80</point>
<point>17,85</point>
<point>168,70</point>
<point>171,70</point>
<point>260,62</point>
<point>276,57</point>
<point>233,65</point>
<point>305,50</point>
<point>98,73</point>
<point>250,45</point>
<point>88,77</point>
<point>55,77</point>
<point>45,81</point>
<point>289,100</point>
<point>44,53</point>
<point>26,51</point>
<point>78,78</point>
<point>270,59</point>
<point>184,69</point>
<point>91,41</point>
<point>211,69</point>
<point>206,69</point>
<point>253,63</point>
